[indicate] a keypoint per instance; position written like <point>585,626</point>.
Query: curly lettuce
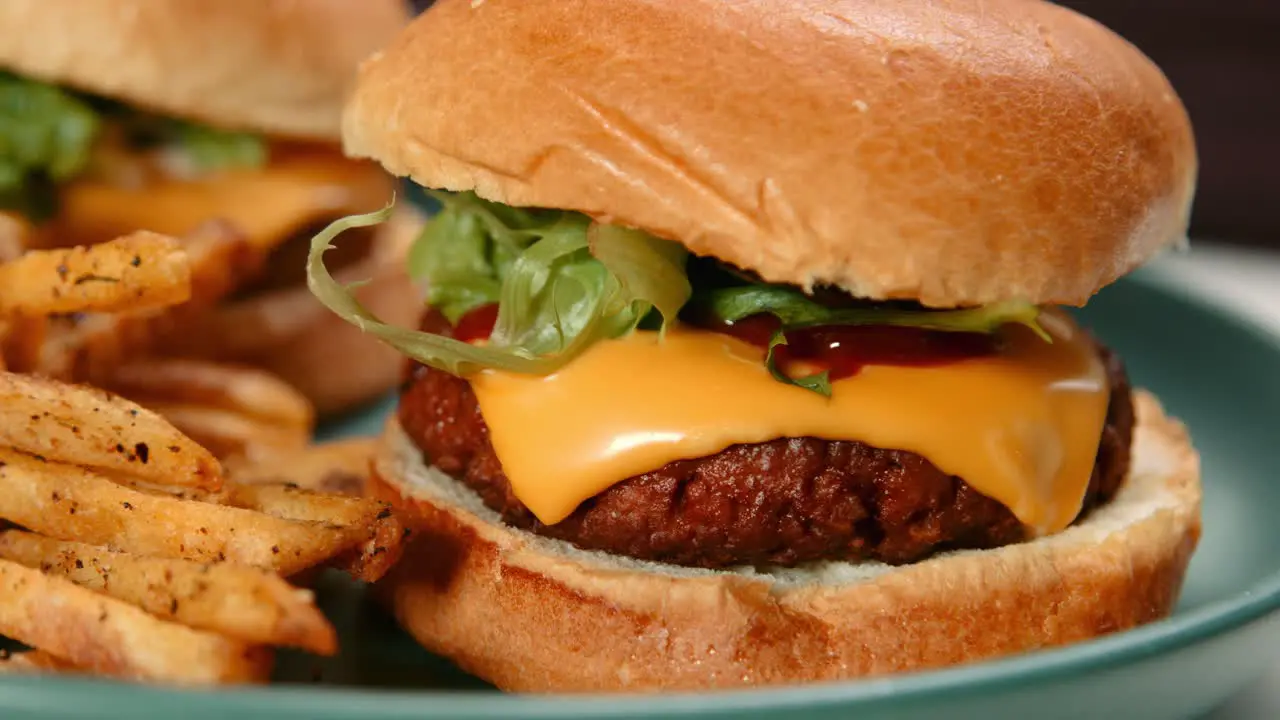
<point>46,136</point>
<point>798,311</point>
<point>562,283</point>
<point>211,149</point>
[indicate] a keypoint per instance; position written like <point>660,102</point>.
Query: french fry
<point>382,531</point>
<point>222,256</point>
<point>294,503</point>
<point>90,427</point>
<point>139,271</point>
<point>79,342</point>
<point>332,468</point>
<point>15,236</point>
<point>339,468</point>
<point>230,434</point>
<point>85,346</point>
<point>245,603</point>
<point>22,341</point>
<point>72,503</point>
<point>216,497</point>
<point>33,662</point>
<point>381,549</point>
<point>111,637</point>
<point>249,391</point>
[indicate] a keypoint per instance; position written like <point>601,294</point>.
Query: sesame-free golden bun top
<point>952,152</point>
<point>273,66</point>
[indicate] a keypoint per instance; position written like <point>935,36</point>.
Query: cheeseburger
<point>117,115</point>
<point>745,359</point>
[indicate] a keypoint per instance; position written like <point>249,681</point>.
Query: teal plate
<point>1219,374</point>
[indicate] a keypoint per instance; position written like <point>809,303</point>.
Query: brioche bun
<point>953,153</point>
<point>532,614</point>
<point>289,332</point>
<point>272,66</point>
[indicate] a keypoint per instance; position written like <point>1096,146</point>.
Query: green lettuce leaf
<point>455,258</point>
<point>467,249</point>
<point>818,382</point>
<point>210,149</point>
<point>562,283</point>
<point>198,147</point>
<point>645,268</point>
<point>556,294</point>
<point>46,135</point>
<point>797,311</point>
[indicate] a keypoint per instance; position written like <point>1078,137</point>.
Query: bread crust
<point>289,332</point>
<point>954,153</point>
<point>535,615</point>
<point>273,66</point>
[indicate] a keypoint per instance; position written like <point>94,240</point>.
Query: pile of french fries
<point>93,315</point>
<point>126,550</point>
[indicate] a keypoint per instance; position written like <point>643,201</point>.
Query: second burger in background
<point>158,115</point>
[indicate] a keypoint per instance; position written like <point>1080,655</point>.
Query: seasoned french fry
<point>231,434</point>
<point>245,603</point>
<point>85,346</point>
<point>33,662</point>
<point>381,549</point>
<point>382,531</point>
<point>111,637</point>
<point>340,467</point>
<point>23,338</point>
<point>90,427</point>
<point>249,391</point>
<point>216,497</point>
<point>71,503</point>
<point>15,235</point>
<point>139,271</point>
<point>222,256</point>
<point>294,503</point>
<point>77,343</point>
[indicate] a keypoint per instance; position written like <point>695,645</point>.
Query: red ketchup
<point>845,349</point>
<point>842,349</point>
<point>477,324</point>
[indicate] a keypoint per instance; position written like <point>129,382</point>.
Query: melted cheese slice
<point>268,204</point>
<point>1021,427</point>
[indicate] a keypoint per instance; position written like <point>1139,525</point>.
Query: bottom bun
<point>532,614</point>
<point>289,333</point>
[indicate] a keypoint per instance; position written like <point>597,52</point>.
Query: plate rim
<point>94,697</point>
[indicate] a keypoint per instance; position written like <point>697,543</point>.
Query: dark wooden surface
<point>1223,56</point>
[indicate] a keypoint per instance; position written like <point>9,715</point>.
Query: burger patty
<point>782,502</point>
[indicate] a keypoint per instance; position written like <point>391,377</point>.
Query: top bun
<point>273,66</point>
<point>954,153</point>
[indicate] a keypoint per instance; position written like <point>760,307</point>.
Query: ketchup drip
<point>843,350</point>
<point>476,324</point>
